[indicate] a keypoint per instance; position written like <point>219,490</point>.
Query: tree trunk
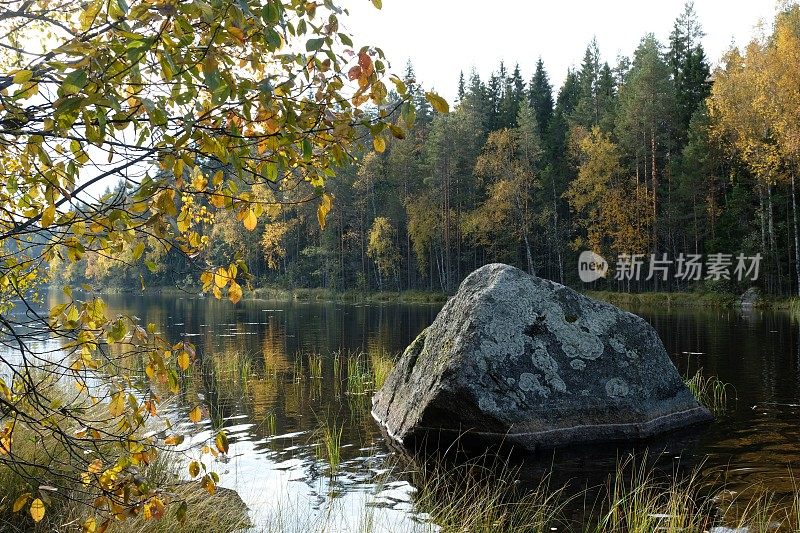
<point>796,239</point>
<point>654,178</point>
<point>771,230</point>
<point>523,217</point>
<point>556,234</point>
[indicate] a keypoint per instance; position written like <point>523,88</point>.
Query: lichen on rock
<point>528,361</point>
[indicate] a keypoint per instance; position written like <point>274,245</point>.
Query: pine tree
<point>494,95</point>
<point>540,96</point>
<point>645,121</point>
<point>606,98</point>
<point>513,94</point>
<point>477,99</point>
<point>587,110</point>
<point>424,111</point>
<point>690,68</point>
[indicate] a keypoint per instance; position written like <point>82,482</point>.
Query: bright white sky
<point>443,37</point>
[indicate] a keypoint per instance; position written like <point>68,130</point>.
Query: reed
<point>330,445</point>
<point>358,376</point>
<point>709,391</point>
<point>381,365</point>
<point>315,366</point>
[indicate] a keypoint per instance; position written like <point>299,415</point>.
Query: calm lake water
<point>275,411</point>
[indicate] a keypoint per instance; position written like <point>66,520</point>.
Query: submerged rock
<point>518,359</point>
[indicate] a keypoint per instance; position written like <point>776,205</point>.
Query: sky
<point>443,37</point>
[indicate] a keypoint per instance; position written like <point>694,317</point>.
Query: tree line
<point>651,154</point>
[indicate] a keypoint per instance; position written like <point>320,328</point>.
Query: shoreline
<point>708,300</point>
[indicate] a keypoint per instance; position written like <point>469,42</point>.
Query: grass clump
<point>298,375</point>
<point>717,300</point>
<point>315,366</point>
<point>358,376</point>
<point>329,445</point>
<point>230,372</point>
<point>483,495</point>
<point>711,392</point>
<point>637,501</point>
<point>380,365</point>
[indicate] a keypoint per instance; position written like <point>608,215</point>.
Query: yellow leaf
<point>379,143</point>
<point>89,14</point>
<point>438,103</point>
<point>272,126</point>
<point>250,220</point>
<point>194,468</point>
<point>236,32</point>
<point>323,209</point>
<point>208,484</point>
<point>90,526</point>
<point>48,215</point>
<point>154,509</point>
<point>5,444</point>
<point>37,510</point>
<point>222,442</point>
<point>217,200</point>
<point>21,76</point>
<point>173,440</point>
<point>177,170</point>
<point>235,292</point>
<point>184,361</point>
<point>199,183</point>
<point>221,277</point>
<point>196,414</point>
<point>117,404</point>
<point>95,467</point>
<point>20,502</point>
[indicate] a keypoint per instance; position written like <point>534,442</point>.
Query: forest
<point>657,153</point>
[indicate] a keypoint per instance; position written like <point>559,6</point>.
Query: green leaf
<point>346,40</point>
<point>397,132</point>
<point>273,38</point>
<point>118,331</point>
<point>312,45</point>
<point>73,83</point>
<point>180,512</point>
<point>270,13</point>
<point>378,3</point>
<point>138,250</point>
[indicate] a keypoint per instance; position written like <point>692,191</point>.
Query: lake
<point>276,373</point>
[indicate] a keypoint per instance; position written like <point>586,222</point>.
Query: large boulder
<point>517,359</point>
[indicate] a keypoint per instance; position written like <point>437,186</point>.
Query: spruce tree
<point>540,96</point>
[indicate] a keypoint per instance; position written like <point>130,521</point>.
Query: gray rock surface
<point>750,298</point>
<point>526,361</point>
